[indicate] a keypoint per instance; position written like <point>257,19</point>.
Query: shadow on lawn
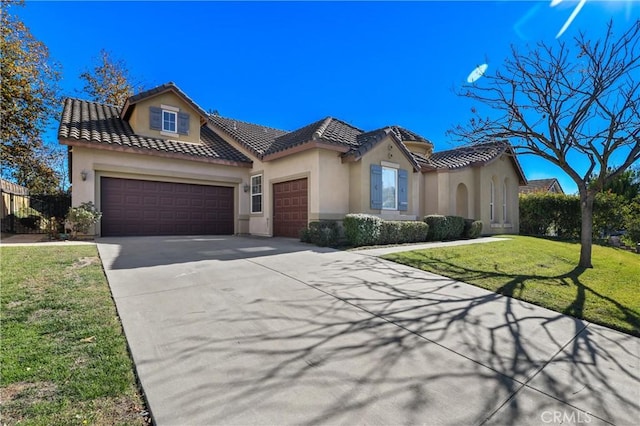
<point>517,282</point>
<point>389,344</point>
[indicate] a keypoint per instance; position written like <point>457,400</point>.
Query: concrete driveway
<point>231,330</point>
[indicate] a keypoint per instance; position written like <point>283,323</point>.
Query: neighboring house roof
<point>167,87</point>
<point>467,156</point>
<point>13,188</point>
<point>100,125</point>
<point>542,185</point>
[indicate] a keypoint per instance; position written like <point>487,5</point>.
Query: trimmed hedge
<point>559,214</point>
<point>362,229</point>
<point>325,233</point>
<point>444,227</point>
<point>402,231</point>
<point>472,228</point>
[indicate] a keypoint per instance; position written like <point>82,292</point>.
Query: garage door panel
<point>290,208</point>
<point>132,207</point>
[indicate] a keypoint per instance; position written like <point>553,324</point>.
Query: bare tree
<point>576,106</point>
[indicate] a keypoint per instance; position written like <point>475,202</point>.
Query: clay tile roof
<point>99,124</point>
<point>255,137</point>
<point>329,130</point>
<point>463,157</point>
<point>161,89</point>
<point>406,135</point>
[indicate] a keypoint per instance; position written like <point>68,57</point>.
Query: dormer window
<point>169,120</point>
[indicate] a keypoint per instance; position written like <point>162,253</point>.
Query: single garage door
<point>289,208</point>
<point>139,207</point>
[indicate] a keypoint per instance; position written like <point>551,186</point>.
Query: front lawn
<point>545,272</point>
<point>64,358</point>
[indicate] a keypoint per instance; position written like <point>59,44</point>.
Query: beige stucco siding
<point>501,172</point>
<point>105,163</point>
<point>443,194</point>
<point>139,120</point>
<point>333,187</point>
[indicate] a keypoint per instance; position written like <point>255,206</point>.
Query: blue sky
<point>287,64</point>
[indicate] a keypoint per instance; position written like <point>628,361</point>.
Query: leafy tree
<point>29,98</point>
<point>109,81</point>
<point>626,184</point>
<point>560,104</point>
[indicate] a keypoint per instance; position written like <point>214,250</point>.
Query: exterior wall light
<point>84,174</point>
<point>246,187</point>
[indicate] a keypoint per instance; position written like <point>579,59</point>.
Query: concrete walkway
<point>381,251</point>
<point>37,240</point>
<point>228,330</point>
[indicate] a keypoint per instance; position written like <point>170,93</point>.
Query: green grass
<point>545,273</point>
<point>64,358</point>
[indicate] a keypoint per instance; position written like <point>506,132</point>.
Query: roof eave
<point>143,151</point>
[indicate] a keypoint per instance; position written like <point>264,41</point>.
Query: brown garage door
<point>289,208</point>
<point>139,207</point>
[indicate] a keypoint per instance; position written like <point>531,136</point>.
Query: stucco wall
<point>441,195</point>
<point>139,120</point>
<point>105,163</point>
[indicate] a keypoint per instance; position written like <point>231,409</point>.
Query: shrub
<point>390,232</point>
<point>82,218</point>
<point>362,229</point>
<point>325,233</point>
<point>455,226</point>
<point>631,213</point>
<point>444,227</point>
<point>413,231</point>
<point>438,228</point>
<point>472,228</point>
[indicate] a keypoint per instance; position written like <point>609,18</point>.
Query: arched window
<point>505,217</point>
<point>492,200</point>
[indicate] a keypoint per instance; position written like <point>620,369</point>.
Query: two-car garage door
<point>139,207</point>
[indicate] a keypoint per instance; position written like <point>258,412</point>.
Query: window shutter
<point>403,190</point>
<point>183,123</point>
<point>155,118</point>
<point>376,187</point>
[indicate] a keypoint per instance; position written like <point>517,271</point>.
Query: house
<point>161,165</point>
<point>547,186</point>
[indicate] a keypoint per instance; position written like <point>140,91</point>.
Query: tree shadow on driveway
<point>345,338</point>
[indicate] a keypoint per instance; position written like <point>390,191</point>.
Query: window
<point>169,120</point>
<point>389,189</point>
<point>492,216</point>
<point>504,202</point>
<point>256,194</point>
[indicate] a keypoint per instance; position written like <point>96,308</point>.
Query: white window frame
<point>492,215</point>
<point>254,193</point>
<point>395,173</point>
<point>504,202</point>
<point>175,121</point>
